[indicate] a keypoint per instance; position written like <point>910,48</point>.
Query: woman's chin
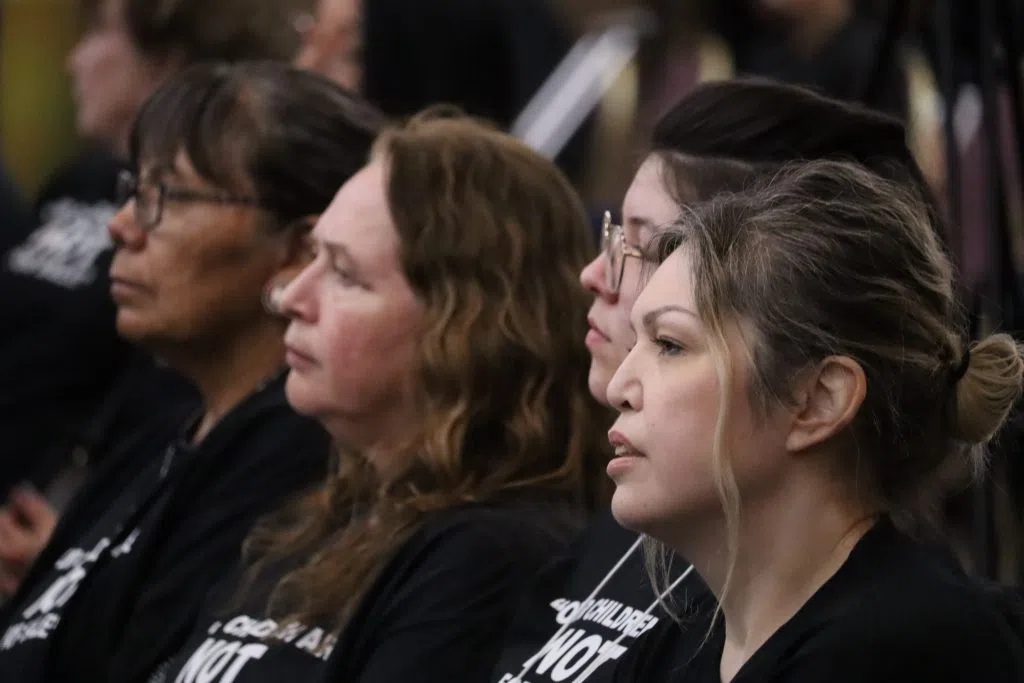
<point>598,380</point>
<point>134,327</point>
<point>296,390</point>
<point>629,510</point>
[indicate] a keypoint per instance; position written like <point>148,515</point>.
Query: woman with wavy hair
<point>436,337</point>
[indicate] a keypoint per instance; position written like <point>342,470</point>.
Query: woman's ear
<point>828,403</point>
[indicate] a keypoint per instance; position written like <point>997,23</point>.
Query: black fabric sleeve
<point>447,620</point>
<point>205,543</point>
<point>902,648</point>
<point>912,647</point>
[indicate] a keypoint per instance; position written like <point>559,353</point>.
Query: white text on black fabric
<point>226,652</point>
<point>577,652</point>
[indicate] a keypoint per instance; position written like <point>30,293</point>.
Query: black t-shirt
<point>437,611</point>
<point>896,612</point>
<point>234,641</point>
<point>120,585</point>
<point>580,614</point>
<point>840,68</point>
<point>60,354</point>
<point>15,219</point>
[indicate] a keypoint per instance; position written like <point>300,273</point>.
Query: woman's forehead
<point>648,205</point>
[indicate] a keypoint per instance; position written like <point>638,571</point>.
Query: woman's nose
<point>125,230</point>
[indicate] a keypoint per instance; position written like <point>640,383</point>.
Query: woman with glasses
<point>230,165</point>
<point>717,139</point>
<point>436,337</point>
<point>72,388</point>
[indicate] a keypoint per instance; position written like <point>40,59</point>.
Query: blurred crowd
<point>307,363</point>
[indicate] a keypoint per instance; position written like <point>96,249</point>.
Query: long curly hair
<point>492,240</point>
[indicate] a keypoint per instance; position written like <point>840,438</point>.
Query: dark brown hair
<point>288,136</point>
<point>211,30</point>
<point>492,240</point>
<point>722,128</point>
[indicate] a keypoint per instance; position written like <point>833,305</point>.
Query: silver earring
<point>272,294</point>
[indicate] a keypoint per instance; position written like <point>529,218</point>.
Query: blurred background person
<point>488,57</point>
<point>70,389</point>
<point>824,44</point>
<point>229,165</point>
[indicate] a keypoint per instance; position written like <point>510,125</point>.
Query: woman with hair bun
<point>799,394</point>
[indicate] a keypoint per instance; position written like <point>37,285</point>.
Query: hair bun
<point>991,372</point>
<point>961,368</point>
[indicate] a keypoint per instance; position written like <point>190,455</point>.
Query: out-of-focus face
<point>355,319</point>
<point>646,207</point>
<point>111,78</point>
<point>333,44</point>
<point>790,8</point>
<point>197,276</point>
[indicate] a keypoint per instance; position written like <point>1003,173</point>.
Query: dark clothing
<point>487,58</point>
<point>896,612</point>
<point>15,218</point>
<point>841,68</point>
<point>119,587</point>
<point>67,380</point>
<point>602,579</point>
<point>436,612</point>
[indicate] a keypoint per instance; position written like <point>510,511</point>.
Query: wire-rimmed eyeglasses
<point>615,249</point>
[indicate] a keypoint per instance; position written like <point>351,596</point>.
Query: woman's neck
<point>227,373</point>
<point>789,546</point>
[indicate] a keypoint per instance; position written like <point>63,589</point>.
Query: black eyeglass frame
<point>149,209</point>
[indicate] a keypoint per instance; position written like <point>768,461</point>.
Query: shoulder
<point>258,456</point>
<point>265,434</point>
<point>473,560</point>
<point>90,177</point>
<point>478,547</point>
<point>505,529</point>
<point>936,612</point>
<point>602,550</point>
<point>937,625</point>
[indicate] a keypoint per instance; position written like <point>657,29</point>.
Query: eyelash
<point>667,347</point>
<point>344,275</point>
<point>341,273</point>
